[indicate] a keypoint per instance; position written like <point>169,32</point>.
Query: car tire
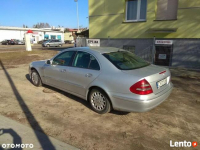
<point>59,45</point>
<point>99,101</point>
<point>35,78</point>
<point>48,45</point>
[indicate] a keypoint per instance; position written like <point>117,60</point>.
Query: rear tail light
<point>142,87</point>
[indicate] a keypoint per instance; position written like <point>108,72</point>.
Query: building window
<point>167,10</point>
<point>53,37</point>
<point>59,37</point>
<point>136,10</point>
<point>46,36</point>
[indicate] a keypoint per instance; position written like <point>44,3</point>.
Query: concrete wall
<point>10,34</point>
<point>186,52</point>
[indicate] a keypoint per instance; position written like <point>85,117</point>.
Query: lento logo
<point>183,144</point>
<point>194,144</point>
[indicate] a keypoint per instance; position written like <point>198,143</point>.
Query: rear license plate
<point>161,83</point>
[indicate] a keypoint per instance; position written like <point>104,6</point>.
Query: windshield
<point>125,60</point>
<point>45,41</point>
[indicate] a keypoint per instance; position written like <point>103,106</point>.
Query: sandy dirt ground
<point>70,119</point>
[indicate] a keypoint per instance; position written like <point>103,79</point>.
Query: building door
<point>163,55</point>
<point>37,39</point>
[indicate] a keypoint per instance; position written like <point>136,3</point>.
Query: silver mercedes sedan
<point>108,78</point>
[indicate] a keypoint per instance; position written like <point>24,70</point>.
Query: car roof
<point>98,49</point>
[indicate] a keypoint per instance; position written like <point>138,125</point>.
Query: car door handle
<point>88,75</point>
<point>63,70</point>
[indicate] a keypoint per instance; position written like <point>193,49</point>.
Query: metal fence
<point>146,54</point>
<point>81,42</point>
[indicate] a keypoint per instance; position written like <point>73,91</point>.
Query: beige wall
<point>107,19</point>
<point>68,36</point>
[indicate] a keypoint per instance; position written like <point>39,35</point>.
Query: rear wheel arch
<point>97,87</point>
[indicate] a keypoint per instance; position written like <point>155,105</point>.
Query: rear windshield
<point>125,60</point>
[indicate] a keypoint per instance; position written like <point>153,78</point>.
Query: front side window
<point>64,59</point>
<point>86,60</point>
<point>125,60</point>
<point>136,10</point>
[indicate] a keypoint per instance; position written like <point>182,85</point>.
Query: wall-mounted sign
<point>165,42</point>
<point>162,56</point>
<point>93,42</point>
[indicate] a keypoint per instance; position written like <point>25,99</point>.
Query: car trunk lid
<point>157,76</point>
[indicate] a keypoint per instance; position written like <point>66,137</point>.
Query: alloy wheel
<point>35,78</point>
<point>98,101</point>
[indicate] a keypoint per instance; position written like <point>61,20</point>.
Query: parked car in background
<point>19,42</point>
<point>42,41</point>
<point>108,78</point>
<point>69,41</point>
<point>8,42</point>
<point>52,43</point>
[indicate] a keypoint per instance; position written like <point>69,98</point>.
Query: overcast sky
<point>55,12</point>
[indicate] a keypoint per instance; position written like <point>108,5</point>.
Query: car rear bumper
<point>124,103</point>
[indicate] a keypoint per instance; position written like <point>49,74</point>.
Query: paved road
<point>12,132</point>
<point>35,46</point>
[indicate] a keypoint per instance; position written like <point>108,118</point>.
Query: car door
<point>56,72</point>
<point>52,43</point>
<point>85,69</point>
<point>57,42</point>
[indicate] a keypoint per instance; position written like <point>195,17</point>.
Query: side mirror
<point>48,62</point>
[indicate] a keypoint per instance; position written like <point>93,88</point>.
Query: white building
<point>7,33</point>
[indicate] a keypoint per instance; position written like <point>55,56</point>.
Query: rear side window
<point>64,59</point>
<point>94,63</point>
<point>125,60</point>
<point>85,60</point>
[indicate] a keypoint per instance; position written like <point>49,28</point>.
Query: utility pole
<point>77,13</point>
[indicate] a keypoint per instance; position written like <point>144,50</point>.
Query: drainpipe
<point>153,49</point>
